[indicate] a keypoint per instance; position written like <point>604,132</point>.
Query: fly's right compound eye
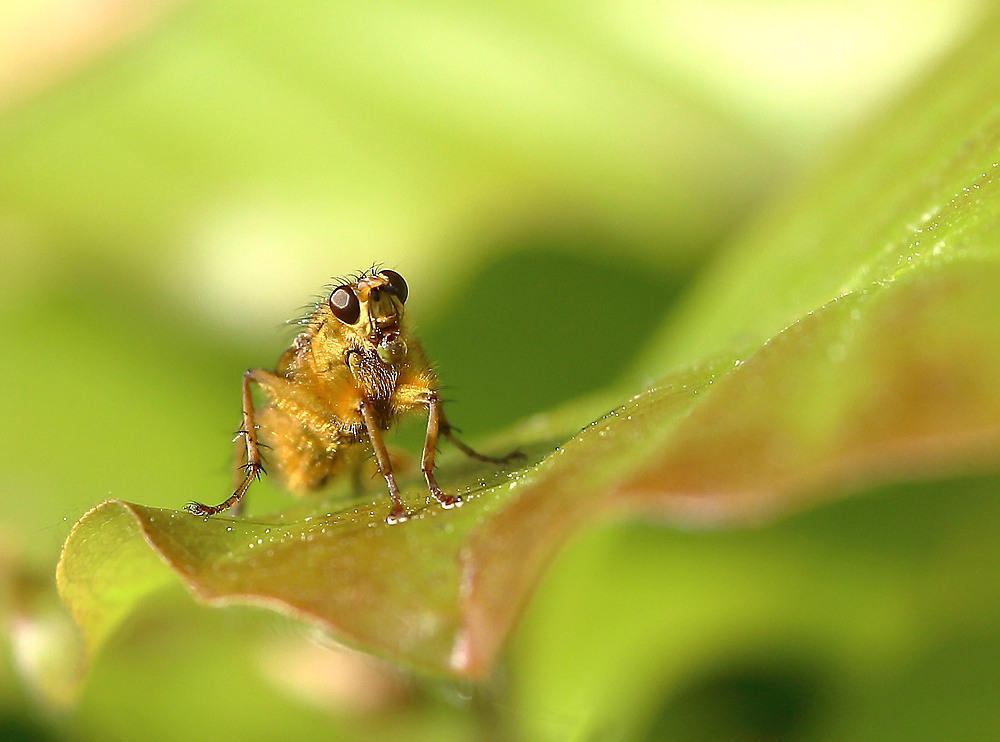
<point>397,285</point>
<point>345,305</point>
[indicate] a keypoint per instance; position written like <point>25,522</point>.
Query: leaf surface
<point>852,337</point>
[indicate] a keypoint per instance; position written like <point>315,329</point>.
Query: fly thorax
<point>375,377</point>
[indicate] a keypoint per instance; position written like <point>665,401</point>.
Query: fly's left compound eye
<point>345,305</point>
<point>396,286</point>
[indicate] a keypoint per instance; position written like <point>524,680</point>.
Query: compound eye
<point>396,285</point>
<point>345,305</point>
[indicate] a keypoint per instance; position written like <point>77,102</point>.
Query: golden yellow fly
<point>354,371</point>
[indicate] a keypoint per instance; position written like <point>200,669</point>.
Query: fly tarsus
<point>253,470</point>
<point>197,508</point>
<point>447,501</point>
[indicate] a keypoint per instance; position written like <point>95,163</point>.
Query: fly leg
<point>445,428</point>
<point>240,467</point>
<point>252,469</point>
<point>437,424</point>
<point>434,427</point>
<point>398,513</point>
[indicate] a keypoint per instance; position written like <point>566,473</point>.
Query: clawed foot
<point>397,515</point>
<point>196,508</point>
<point>447,501</point>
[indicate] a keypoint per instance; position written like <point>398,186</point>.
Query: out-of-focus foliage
<point>165,207</point>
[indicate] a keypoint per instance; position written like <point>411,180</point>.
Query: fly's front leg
<point>398,512</point>
<point>253,468</point>
<point>434,426</point>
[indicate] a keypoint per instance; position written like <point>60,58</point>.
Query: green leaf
<point>850,338</point>
<point>105,570</point>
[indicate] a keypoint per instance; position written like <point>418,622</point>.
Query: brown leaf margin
<point>898,381</point>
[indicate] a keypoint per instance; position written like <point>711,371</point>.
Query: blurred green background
<point>178,179</point>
